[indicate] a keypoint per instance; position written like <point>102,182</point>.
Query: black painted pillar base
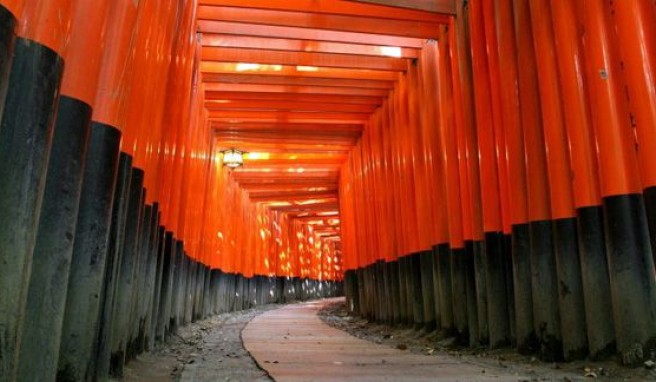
<point>428,293</point>
<point>470,280</point>
<point>526,341</point>
<point>88,267</point>
<point>570,293</point>
<point>414,269</point>
<point>442,269</point>
<point>25,140</point>
<point>8,24</point>
<point>649,196</point>
<point>633,287</point>
<point>497,298</point>
<point>54,244</point>
<point>546,313</point>
<point>459,290</point>
<point>510,286</point>
<point>395,294</point>
<point>480,272</point>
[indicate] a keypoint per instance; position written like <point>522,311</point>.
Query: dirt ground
<point>212,350</point>
<point>205,351</point>
<point>337,316</point>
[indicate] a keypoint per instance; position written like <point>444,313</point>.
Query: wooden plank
<point>313,90</point>
<point>294,32</point>
<point>437,6</point>
<point>273,57</point>
<point>335,7</point>
<point>327,22</point>
<point>296,45</point>
<point>248,78</point>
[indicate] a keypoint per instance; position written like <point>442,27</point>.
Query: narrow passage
<point>293,344</point>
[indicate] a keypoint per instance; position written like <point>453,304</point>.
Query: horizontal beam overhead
<point>239,78</point>
<point>254,105</point>
<point>297,45</point>
<point>291,89</point>
<point>294,32</point>
<point>325,98</point>
<point>334,7</point>
<point>437,6</point>
<point>274,57</point>
<point>330,22</point>
<point>297,71</point>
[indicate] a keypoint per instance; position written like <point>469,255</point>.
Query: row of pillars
<point>93,268</point>
<point>506,192</point>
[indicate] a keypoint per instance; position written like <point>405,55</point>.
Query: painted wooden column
<point>10,13</point>
<point>470,175</point>
<point>59,210</point>
<point>585,182</point>
<point>490,189</point>
<point>25,142</point>
<point>630,257</point>
<point>635,27</point>
<point>572,318</point>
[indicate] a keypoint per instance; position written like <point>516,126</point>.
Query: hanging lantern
<point>233,158</point>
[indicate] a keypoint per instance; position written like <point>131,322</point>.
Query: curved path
<point>293,344</point>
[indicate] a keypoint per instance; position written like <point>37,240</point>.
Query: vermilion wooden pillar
<point>470,176</point>
<point>630,260</point>
<point>10,13</point>
<point>25,141</point>
<point>516,175</point>
<point>574,345</point>
<point>635,27</point>
<point>53,252</point>
<point>490,188</point>
<point>585,183</point>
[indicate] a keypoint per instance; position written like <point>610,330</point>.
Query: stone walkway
<point>293,344</point>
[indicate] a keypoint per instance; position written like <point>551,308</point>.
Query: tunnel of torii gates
<point>482,168</point>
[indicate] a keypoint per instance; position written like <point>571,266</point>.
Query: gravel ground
<point>404,338</point>
<point>208,350</point>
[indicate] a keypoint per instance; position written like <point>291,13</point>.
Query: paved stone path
<point>293,344</point>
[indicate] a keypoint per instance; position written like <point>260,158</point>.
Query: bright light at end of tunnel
<point>250,67</point>
<point>390,51</point>
<point>257,156</point>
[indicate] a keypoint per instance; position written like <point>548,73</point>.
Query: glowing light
<point>249,67</point>
<point>302,68</point>
<point>257,156</point>
<point>233,158</point>
<point>390,51</point>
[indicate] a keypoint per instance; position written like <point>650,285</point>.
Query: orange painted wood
<point>339,7</point>
<point>294,81</point>
<point>297,45</point>
<point>489,170</point>
<point>539,206</point>
<point>558,161</point>
<point>439,6</point>
<point>635,23</point>
<point>619,172</point>
<point>46,22</point>
<point>84,52</point>
<point>331,22</point>
<point>274,57</point>
<point>310,90</point>
<point>515,176</point>
<point>113,86</point>
<point>254,105</point>
<point>236,27</point>
<point>14,6</point>
<point>498,123</point>
<point>468,145</point>
<point>583,156</point>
